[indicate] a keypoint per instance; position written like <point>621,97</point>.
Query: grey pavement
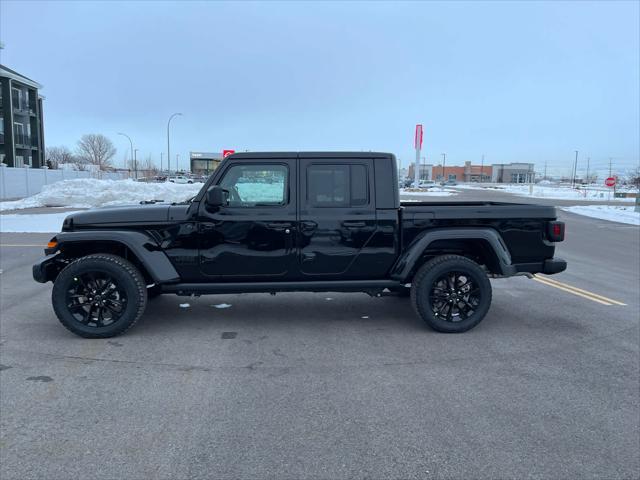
<point>331,386</point>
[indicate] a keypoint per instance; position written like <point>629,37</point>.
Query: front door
<point>252,237</point>
<point>337,217</point>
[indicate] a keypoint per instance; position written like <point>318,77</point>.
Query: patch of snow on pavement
<point>91,192</point>
<point>221,305</point>
<point>432,192</point>
<point>39,223</point>
<point>185,305</point>
<point>603,212</point>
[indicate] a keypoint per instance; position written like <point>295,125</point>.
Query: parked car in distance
<point>180,179</point>
<point>427,184</point>
<point>326,222</point>
<point>449,183</point>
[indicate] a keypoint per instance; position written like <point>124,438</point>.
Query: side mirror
<point>216,196</point>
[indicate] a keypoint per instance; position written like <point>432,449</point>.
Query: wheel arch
<point>482,245</point>
<point>137,247</point>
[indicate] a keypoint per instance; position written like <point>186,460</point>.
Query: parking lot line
<point>578,291</point>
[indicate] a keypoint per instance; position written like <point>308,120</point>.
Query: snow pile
<point>603,212</point>
<point>90,192</point>
<point>45,223</point>
<point>559,192</point>
<point>261,192</point>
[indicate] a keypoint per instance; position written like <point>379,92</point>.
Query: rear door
<point>337,217</point>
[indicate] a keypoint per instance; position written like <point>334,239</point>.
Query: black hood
<point>134,214</point>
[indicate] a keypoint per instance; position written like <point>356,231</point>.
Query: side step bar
<point>372,287</point>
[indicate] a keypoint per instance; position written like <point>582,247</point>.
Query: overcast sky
<point>513,80</point>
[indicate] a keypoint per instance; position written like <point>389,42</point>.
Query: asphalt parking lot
<point>332,385</point>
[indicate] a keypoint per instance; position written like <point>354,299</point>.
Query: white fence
<point>18,183</point>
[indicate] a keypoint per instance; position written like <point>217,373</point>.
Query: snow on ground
<point>565,193</point>
<point>432,192</point>
<point>555,192</point>
<point>40,223</point>
<point>90,192</point>
<point>612,213</point>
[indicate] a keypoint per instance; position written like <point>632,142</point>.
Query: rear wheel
<point>452,294</point>
<point>99,296</point>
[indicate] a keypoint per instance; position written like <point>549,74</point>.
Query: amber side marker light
<point>52,244</point>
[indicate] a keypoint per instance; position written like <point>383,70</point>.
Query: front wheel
<point>452,294</point>
<point>99,296</point>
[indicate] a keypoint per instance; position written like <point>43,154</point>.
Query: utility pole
<point>588,160</point>
<point>575,166</point>
<point>482,169</point>
<point>161,153</point>
<point>444,161</point>
<point>168,143</point>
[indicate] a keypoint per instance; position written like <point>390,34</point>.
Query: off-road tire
<point>124,274</point>
<point>430,272</point>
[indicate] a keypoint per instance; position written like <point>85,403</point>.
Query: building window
<point>452,176</point>
<point>19,161</point>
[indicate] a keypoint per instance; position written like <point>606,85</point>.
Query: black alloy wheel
<point>451,293</point>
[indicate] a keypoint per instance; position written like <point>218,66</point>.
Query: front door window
<point>256,185</point>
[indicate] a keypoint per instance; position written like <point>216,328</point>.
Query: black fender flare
<point>403,267</point>
<point>144,247</point>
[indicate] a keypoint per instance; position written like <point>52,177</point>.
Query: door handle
<point>353,224</point>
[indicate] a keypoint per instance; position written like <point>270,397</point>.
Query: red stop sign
<point>610,182</point>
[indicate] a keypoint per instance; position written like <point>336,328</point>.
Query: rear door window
<point>337,185</point>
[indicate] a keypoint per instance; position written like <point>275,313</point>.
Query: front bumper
<point>46,268</point>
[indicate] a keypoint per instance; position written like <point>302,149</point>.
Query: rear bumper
<point>46,268</point>
<point>554,265</point>
<point>549,266</point>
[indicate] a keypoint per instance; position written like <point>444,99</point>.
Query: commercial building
<point>513,173</point>
<point>21,125</point>
<point>424,170</point>
<point>467,173</point>
<point>204,163</point>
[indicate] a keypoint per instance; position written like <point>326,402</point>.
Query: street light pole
<point>130,142</point>
<point>169,144</point>
<point>575,167</point>
<point>482,169</point>
<point>161,153</point>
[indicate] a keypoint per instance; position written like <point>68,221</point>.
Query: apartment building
<point>21,125</point>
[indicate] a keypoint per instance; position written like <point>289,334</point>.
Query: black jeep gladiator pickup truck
<point>277,222</point>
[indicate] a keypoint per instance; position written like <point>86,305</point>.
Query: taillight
<point>555,231</point>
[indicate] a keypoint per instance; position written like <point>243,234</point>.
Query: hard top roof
<point>337,155</point>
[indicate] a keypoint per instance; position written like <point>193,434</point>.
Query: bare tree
<point>633,177</point>
<point>96,149</point>
<point>57,155</point>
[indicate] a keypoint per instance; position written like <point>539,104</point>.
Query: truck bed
<point>522,226</point>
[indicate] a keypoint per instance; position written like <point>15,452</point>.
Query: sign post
<point>418,145</point>
<point>611,182</point>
